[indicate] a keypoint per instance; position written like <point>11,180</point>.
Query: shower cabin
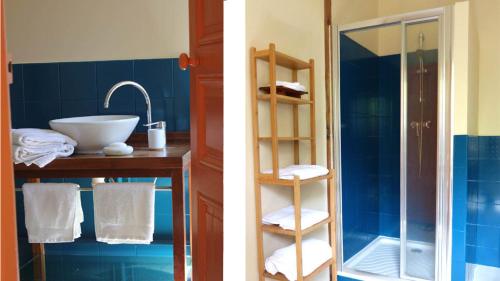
<point>392,115</point>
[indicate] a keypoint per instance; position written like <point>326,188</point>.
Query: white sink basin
<point>93,133</point>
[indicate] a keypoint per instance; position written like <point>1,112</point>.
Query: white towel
<point>40,156</point>
<point>303,171</point>
<point>53,212</point>
<point>39,137</point>
<point>291,85</point>
<point>124,212</point>
<point>285,217</point>
<point>314,253</point>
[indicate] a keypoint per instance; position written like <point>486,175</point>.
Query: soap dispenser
<point>156,136</point>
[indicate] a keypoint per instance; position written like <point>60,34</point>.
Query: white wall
<point>76,30</point>
<point>297,31</point>
<point>486,16</point>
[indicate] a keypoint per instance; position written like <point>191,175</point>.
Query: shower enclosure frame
<point>444,188</point>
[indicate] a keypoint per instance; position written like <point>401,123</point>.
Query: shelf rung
<point>286,138</point>
<point>283,60</point>
<point>278,230</point>
<point>268,179</point>
<point>284,99</point>
<point>279,276</point>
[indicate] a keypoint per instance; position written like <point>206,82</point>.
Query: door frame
<point>9,256</point>
<point>445,139</point>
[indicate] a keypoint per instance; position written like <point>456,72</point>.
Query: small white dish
<point>118,149</point>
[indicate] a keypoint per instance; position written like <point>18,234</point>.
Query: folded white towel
<point>302,171</point>
<point>53,212</point>
<point>40,156</point>
<point>39,137</point>
<point>124,212</point>
<point>314,253</point>
<point>291,85</point>
<point>285,217</point>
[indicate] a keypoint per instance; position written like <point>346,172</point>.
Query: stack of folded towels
<point>285,218</point>
<point>291,85</point>
<point>314,253</point>
<point>302,171</point>
<point>40,146</point>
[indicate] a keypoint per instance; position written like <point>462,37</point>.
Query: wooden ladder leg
<point>260,238</point>
<point>298,227</point>
<point>296,144</point>
<point>332,228</point>
<point>38,249</point>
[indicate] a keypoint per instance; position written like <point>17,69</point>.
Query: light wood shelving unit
<point>274,59</point>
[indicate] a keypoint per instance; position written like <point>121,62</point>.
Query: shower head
<point>421,39</point>
<point>420,51</point>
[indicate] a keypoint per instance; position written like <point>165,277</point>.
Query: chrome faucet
<point>140,88</point>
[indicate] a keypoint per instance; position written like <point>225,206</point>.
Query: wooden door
<point>9,270</point>
<point>206,52</point>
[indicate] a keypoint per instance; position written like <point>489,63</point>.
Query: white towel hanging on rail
<point>53,212</point>
<point>124,212</point>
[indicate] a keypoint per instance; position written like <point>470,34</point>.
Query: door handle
<point>185,61</point>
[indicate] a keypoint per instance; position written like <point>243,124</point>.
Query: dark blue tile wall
<point>46,91</point>
<point>358,70</point>
<point>343,278</point>
<point>460,174</point>
<point>483,201</point>
<point>370,151</point>
<point>388,105</point>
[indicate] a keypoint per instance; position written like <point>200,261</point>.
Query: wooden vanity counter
<point>171,162</point>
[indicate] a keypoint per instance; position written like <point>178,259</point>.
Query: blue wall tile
<point>458,264</point>
<point>155,76</point>
<point>18,120</point>
<point>78,81</point>
<point>16,88</point>
<point>41,82</point>
<point>343,278</point>
<point>108,74</point>
<point>73,108</point>
<point>181,91</point>
<point>46,91</point>
<point>483,201</point>
<point>38,114</point>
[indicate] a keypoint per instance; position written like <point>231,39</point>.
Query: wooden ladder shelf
<point>274,59</point>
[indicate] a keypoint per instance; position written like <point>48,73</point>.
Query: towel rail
<point>158,188</point>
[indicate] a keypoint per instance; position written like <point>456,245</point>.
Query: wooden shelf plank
<point>279,276</point>
<point>286,138</point>
<point>278,230</point>
<point>284,99</point>
<point>268,179</point>
<point>283,60</point>
<point>141,163</point>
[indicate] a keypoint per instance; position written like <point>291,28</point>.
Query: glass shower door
<point>419,150</point>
